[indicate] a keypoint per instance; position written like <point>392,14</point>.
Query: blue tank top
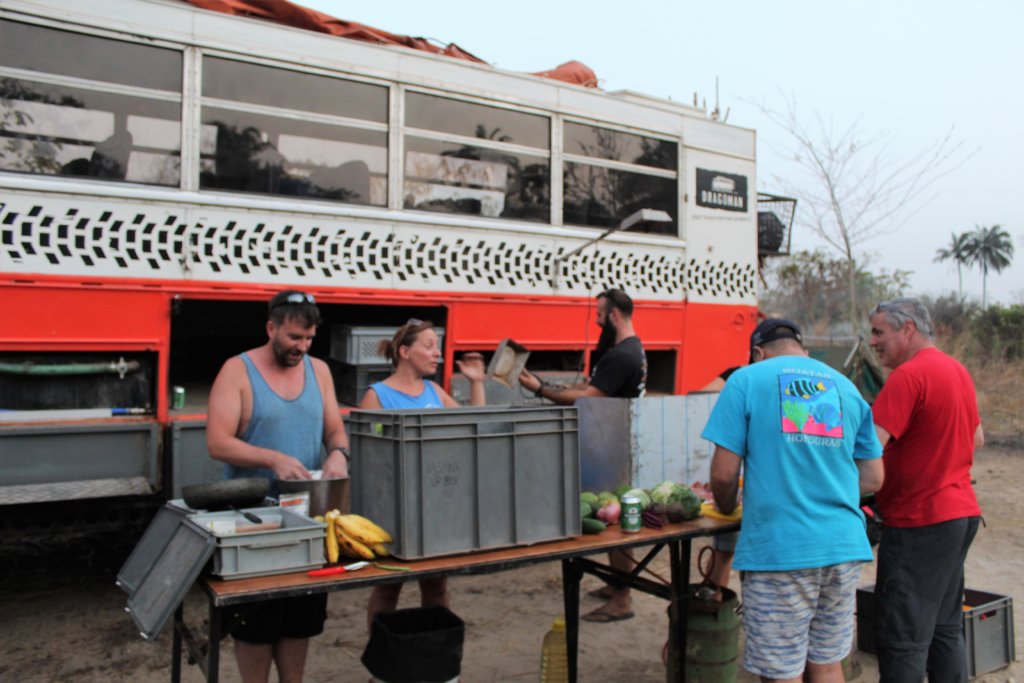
<point>392,399</point>
<point>293,427</point>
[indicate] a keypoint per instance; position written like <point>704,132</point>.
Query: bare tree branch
<point>853,186</point>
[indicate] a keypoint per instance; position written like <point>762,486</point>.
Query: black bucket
<point>419,645</point>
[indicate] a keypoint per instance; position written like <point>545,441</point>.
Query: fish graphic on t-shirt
<point>805,388</point>
<point>827,414</point>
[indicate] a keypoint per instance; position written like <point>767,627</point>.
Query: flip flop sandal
<point>598,617</point>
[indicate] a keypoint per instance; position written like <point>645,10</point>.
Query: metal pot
<point>324,494</point>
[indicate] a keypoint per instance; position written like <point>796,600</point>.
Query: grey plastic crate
<point>988,628</point>
<point>357,345</point>
<point>452,481</point>
<point>351,381</point>
<point>297,545</point>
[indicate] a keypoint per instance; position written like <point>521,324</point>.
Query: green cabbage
<point>661,492</point>
<point>684,495</point>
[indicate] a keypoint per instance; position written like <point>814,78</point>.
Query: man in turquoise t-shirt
<point>806,442</point>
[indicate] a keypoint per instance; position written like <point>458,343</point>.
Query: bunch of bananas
<point>354,536</point>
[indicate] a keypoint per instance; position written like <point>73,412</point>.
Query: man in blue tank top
<point>271,408</point>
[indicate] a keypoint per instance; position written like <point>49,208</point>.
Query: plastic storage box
<point>452,481</point>
<point>351,381</point>
<point>296,544</point>
<point>358,345</point>
<point>988,628</point>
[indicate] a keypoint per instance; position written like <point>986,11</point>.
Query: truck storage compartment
<point>453,481</point>
<point>190,461</point>
<point>76,385</point>
<point>51,462</point>
<point>206,333</point>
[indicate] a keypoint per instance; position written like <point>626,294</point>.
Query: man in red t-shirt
<point>926,416</point>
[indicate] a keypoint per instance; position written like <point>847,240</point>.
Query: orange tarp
<point>290,14</point>
<point>572,72</point>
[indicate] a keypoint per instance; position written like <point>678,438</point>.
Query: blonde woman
<point>415,353</point>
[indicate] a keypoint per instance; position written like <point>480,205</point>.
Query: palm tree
<point>958,251</point>
<point>990,248</point>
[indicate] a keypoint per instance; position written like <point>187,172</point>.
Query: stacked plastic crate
<point>356,362</point>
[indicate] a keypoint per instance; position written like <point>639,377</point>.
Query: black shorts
<point>263,623</point>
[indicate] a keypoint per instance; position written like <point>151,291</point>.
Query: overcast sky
<point>910,69</point>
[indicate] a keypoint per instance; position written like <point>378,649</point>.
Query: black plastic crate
<point>988,628</point>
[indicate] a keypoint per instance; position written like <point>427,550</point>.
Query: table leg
<point>213,645</point>
<point>179,617</point>
<point>571,577</point>
<point>679,561</point>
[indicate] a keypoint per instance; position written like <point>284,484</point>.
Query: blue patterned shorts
<point>793,617</point>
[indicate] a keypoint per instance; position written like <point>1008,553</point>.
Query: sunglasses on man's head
<point>296,298</point>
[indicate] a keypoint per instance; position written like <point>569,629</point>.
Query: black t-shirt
<point>622,370</point>
<point>727,373</point>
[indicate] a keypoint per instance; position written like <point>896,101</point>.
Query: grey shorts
<point>725,543</point>
<point>797,616</point>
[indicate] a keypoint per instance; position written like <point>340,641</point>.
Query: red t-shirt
<point>929,407</point>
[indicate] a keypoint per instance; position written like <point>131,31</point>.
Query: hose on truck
<point>120,368</point>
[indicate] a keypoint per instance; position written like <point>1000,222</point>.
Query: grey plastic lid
<point>149,547</point>
<point>174,570</point>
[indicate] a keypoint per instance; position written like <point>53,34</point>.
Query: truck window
<point>473,159</point>
<point>61,115</point>
<point>642,174</point>
<point>281,132</point>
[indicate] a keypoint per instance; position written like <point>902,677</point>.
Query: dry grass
<point>1000,387</point>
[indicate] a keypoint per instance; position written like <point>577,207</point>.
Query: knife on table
<point>340,569</point>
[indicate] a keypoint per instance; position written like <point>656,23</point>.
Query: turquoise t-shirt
<point>799,425</point>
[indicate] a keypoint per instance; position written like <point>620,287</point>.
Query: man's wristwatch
<point>344,451</point>
<point>539,393</point>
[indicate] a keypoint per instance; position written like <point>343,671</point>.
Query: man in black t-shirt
<point>621,372</point>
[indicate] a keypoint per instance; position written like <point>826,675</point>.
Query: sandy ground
<point>66,622</point>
